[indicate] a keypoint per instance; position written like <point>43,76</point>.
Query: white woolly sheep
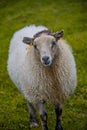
<point>44,71</point>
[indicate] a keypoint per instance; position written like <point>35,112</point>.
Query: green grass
<point>70,15</point>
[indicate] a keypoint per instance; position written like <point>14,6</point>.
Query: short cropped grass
<point>70,15</point>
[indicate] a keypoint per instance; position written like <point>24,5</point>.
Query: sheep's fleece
<point>37,82</point>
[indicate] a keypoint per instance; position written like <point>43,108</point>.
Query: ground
<point>70,15</point>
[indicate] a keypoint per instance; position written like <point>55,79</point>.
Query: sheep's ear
<point>58,35</point>
<point>28,40</point>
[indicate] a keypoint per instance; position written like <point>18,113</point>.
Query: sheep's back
<point>67,68</point>
<point>35,81</point>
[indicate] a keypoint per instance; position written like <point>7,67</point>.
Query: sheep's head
<point>45,45</point>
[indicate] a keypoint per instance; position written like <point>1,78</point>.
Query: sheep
<point>42,66</point>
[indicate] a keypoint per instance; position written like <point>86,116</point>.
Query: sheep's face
<point>45,46</point>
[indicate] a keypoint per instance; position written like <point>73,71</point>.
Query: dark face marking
<point>48,32</point>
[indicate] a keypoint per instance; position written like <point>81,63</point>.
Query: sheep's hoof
<point>34,124</point>
<point>45,128</point>
<point>59,127</point>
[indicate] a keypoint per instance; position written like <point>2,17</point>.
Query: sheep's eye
<point>53,43</point>
<point>35,46</point>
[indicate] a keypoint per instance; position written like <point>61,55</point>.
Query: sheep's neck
<point>50,73</point>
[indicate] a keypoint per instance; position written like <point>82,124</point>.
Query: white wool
<point>34,80</point>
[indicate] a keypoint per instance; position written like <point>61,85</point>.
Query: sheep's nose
<point>46,60</point>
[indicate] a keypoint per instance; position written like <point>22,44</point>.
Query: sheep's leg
<point>43,116</point>
<point>58,111</point>
<point>33,119</point>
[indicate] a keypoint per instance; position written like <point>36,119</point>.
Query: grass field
<point>70,15</point>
